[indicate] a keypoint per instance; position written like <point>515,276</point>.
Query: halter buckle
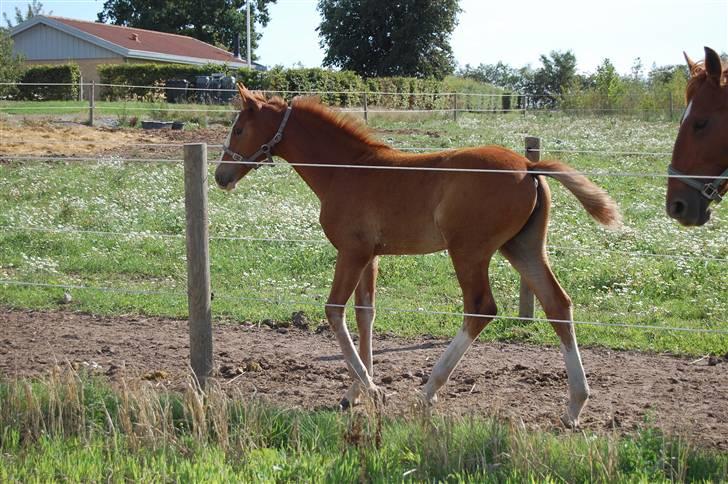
<point>710,192</point>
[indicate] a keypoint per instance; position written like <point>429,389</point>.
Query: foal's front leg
<point>349,267</point>
<point>364,299</point>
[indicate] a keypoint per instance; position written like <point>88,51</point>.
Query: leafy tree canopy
<point>34,8</point>
<point>384,38</point>
<point>211,21</point>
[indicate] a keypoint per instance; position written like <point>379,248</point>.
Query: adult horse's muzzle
<point>688,207</point>
<point>688,198</point>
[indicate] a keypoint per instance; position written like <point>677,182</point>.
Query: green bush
<point>336,88</point>
<point>69,75</point>
<point>11,65</point>
<point>157,74</point>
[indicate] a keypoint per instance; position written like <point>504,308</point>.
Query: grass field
<point>76,429</point>
<point>613,277</point>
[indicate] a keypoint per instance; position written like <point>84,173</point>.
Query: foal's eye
<point>238,131</point>
<point>700,124</point>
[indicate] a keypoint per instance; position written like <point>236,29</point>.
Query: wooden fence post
<point>92,103</point>
<point>455,106</point>
<point>527,301</point>
<point>198,261</point>
<point>366,110</point>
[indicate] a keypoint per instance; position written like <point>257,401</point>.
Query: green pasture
<point>652,273</point>
<point>72,428</point>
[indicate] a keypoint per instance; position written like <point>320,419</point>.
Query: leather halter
<point>710,190</point>
<point>265,149</point>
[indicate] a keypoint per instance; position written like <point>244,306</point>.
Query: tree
<point>609,85</point>
<point>34,8</point>
<point>550,81</point>
<point>499,74</point>
<point>211,21</point>
<point>385,38</point>
<point>11,66</point>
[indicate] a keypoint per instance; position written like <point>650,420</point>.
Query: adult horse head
<point>700,156</point>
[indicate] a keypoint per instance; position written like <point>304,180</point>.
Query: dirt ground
<point>66,138</point>
<point>298,366</point>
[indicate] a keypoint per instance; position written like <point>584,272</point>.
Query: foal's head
<point>255,127</point>
<point>701,147</point>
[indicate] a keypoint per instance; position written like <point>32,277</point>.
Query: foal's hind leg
<point>365,312</point>
<point>472,272</point>
<point>527,253</point>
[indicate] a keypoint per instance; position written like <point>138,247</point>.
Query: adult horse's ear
<point>248,99</point>
<point>713,65</point>
<point>691,63</point>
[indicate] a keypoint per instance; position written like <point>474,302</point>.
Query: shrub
<point>69,75</point>
<point>157,74</point>
<point>336,88</point>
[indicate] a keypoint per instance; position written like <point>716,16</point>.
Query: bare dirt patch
<point>43,138</point>
<point>298,367</point>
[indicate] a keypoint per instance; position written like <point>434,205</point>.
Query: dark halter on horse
<point>710,190</point>
<point>265,149</point>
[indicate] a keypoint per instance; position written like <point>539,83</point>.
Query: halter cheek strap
<point>265,149</point>
<point>711,190</point>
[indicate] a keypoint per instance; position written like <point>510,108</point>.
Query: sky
<point>516,32</point>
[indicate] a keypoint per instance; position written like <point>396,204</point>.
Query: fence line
<point>493,110</point>
<point>400,148</point>
<point>471,170</point>
<point>104,159</point>
<point>374,167</point>
<point>232,238</point>
<point>271,91</point>
<point>378,308</point>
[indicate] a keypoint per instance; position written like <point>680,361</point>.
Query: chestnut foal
<point>417,204</point>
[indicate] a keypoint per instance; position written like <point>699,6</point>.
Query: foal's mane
<point>343,121</point>
<point>698,75</point>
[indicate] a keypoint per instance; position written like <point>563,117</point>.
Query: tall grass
<point>70,427</point>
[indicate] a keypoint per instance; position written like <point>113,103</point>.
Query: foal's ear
<point>248,99</point>
<point>713,65</point>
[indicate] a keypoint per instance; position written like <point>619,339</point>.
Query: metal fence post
<point>527,301</point>
<point>92,103</point>
<point>198,261</point>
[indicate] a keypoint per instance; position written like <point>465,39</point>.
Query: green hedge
<point>68,74</point>
<point>336,88</point>
<point>158,74</point>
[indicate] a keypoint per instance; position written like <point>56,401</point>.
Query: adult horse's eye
<point>238,131</point>
<point>700,124</point>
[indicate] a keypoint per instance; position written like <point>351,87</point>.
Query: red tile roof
<point>150,41</point>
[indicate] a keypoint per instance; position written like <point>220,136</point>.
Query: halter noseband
<point>710,190</point>
<point>265,149</point>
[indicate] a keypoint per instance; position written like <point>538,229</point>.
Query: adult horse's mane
<point>343,121</point>
<point>698,74</point>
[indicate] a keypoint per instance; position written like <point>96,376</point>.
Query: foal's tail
<point>594,199</point>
